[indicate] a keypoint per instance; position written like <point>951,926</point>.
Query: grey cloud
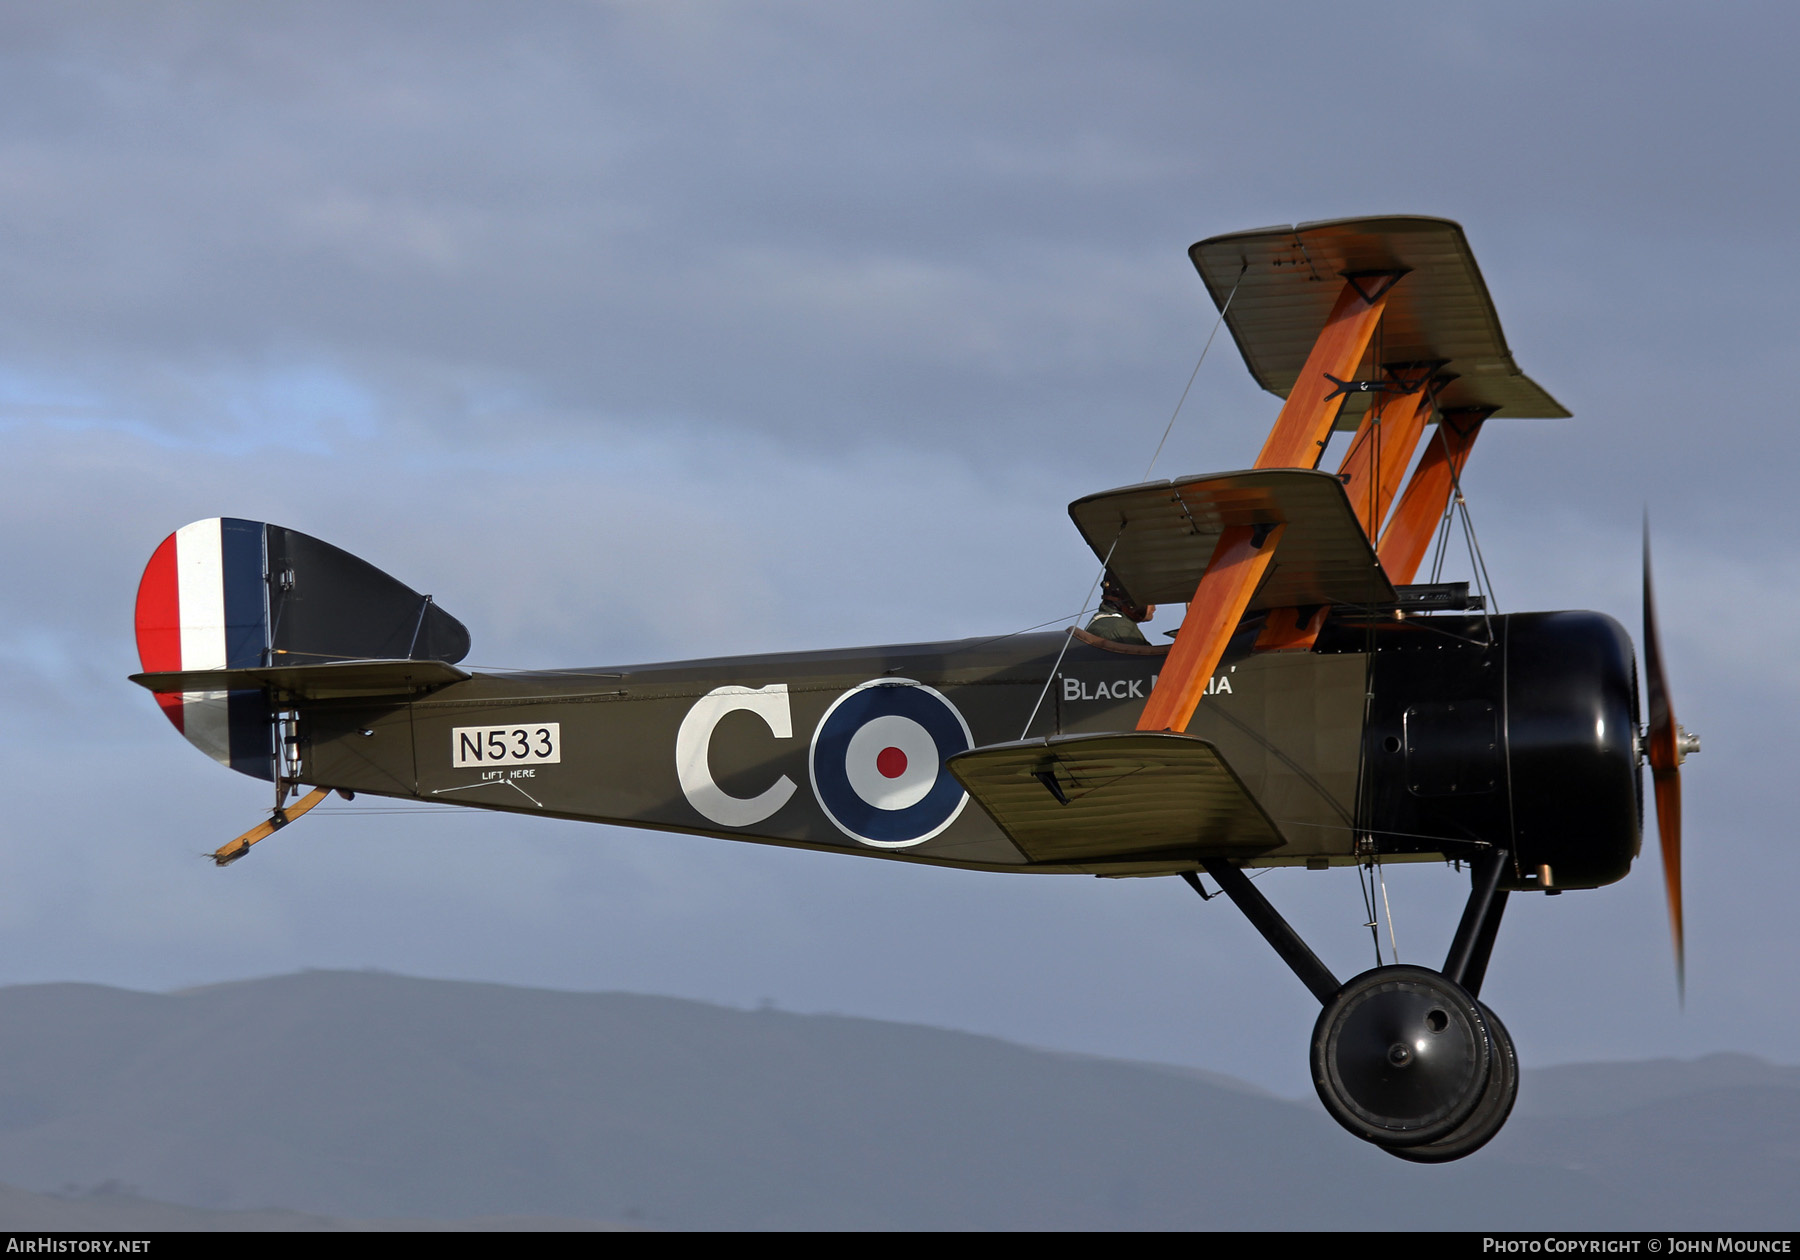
<point>639,331</point>
<point>960,224</point>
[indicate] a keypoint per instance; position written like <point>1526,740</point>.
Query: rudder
<point>226,593</point>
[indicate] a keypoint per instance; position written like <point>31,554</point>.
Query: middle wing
<point>1157,538</point>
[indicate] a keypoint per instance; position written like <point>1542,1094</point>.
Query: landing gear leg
<point>1405,1057</point>
<point>1467,960</point>
<point>1295,952</point>
<point>1467,964</point>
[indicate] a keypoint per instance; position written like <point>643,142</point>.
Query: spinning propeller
<point>1666,746</point>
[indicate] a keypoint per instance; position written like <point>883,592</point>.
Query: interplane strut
<point>1408,536</point>
<point>1243,554</point>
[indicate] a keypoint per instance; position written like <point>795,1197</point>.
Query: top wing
<point>1287,278</point>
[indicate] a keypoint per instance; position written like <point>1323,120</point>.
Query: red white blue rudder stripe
<point>203,603</point>
<point>878,758</point>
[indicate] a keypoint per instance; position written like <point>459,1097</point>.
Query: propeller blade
<point>1664,750</point>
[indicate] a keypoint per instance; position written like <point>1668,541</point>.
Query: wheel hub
<point>1400,1056</point>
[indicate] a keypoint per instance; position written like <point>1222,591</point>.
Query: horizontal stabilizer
<point>1157,538</point>
<point>338,680</point>
<point>1088,797</point>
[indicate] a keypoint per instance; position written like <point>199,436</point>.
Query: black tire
<point>1400,1056</point>
<point>1490,1113</point>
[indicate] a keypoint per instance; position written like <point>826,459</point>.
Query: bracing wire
<point>1387,909</point>
<point>1490,603</point>
<point>1170,427</point>
<point>1087,604</point>
<point>1155,455</point>
<point>1443,529</point>
<point>1368,896</point>
<point>1457,509</point>
<point>1443,542</point>
<point>1476,560</point>
<point>613,674</point>
<point>1012,634</point>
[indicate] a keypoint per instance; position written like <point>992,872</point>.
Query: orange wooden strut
<point>1285,632</point>
<point>1377,459</point>
<point>1371,473</point>
<point>1408,536</point>
<point>1238,563</point>
<point>1306,417</point>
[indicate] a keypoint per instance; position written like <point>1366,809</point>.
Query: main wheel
<point>1490,1113</point>
<point>1400,1056</point>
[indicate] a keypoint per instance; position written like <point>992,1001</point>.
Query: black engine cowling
<point>1523,738</point>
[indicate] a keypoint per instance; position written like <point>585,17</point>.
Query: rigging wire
<point>1168,428</point>
<point>445,810</point>
<point>1458,507</point>
<point>616,674</point>
<point>1377,412</point>
<point>1088,604</point>
<point>1368,896</point>
<point>1443,542</point>
<point>1476,560</point>
<point>1443,527</point>
<point>1365,785</point>
<point>1074,616</point>
<point>1387,909</point>
<point>1478,570</point>
<point>1070,638</point>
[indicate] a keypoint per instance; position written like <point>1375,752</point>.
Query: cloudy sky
<point>638,331</point>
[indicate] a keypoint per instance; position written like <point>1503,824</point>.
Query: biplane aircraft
<point>1316,708</point>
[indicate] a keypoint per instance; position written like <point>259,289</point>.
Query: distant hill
<point>371,1097</point>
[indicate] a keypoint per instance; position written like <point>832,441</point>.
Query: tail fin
<point>225,594</point>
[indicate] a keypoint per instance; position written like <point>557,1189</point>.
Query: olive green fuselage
<point>1290,724</point>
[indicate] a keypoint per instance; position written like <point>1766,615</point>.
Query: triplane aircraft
<point>1317,708</point>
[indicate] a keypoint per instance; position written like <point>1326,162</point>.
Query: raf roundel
<point>878,762</point>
